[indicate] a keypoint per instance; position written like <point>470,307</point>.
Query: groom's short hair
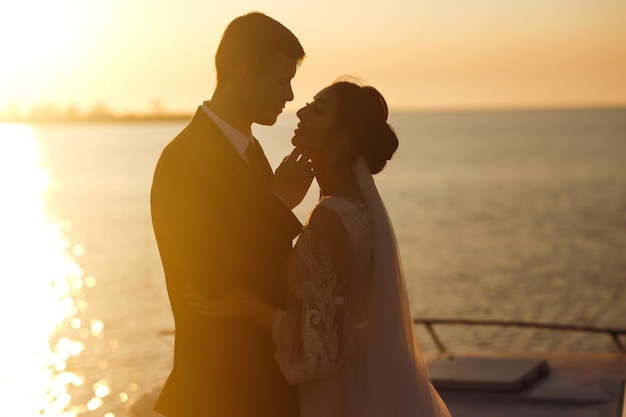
<point>254,40</point>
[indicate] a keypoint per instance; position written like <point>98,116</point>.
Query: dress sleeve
<point>314,337</point>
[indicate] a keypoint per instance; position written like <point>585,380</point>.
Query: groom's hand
<point>293,177</point>
<point>230,305</point>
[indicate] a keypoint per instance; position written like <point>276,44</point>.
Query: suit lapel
<point>224,155</point>
<point>261,168</point>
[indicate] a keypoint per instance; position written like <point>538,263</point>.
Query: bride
<point>347,340</point>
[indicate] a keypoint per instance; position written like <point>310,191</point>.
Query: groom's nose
<point>289,93</point>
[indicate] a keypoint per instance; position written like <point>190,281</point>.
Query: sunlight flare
<point>33,31</point>
<point>36,276</point>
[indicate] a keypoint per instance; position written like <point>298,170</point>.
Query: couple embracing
<point>264,329</point>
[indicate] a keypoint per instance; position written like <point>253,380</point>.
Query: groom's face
<point>270,89</point>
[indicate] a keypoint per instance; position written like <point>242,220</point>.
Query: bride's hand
<point>230,305</point>
<point>293,178</point>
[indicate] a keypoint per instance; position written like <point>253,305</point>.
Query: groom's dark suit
<point>217,225</point>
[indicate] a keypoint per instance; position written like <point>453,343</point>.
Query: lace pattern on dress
<point>325,311</point>
<point>325,323</point>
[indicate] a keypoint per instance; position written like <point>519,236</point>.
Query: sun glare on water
<point>38,278</point>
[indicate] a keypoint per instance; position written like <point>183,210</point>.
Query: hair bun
<point>363,113</point>
<point>379,147</point>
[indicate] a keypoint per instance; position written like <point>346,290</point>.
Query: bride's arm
<point>315,336</point>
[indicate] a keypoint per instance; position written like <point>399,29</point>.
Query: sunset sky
<point>133,54</point>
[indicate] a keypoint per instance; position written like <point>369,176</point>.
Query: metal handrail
<point>430,322</point>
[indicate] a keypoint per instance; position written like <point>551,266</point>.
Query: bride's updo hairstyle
<point>362,112</point>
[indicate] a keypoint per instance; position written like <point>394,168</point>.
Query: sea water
<point>516,215</point>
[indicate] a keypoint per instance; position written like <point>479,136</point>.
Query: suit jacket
<point>218,225</point>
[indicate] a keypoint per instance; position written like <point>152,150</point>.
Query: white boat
<point>512,383</point>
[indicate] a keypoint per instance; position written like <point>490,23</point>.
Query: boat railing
<point>430,323</point>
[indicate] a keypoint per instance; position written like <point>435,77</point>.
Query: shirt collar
<point>238,139</point>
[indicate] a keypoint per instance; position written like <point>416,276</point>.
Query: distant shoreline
<point>182,117</point>
<point>98,119</point>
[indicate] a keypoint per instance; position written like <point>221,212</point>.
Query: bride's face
<point>316,130</point>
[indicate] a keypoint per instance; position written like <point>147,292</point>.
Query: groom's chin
<point>269,118</point>
<point>267,121</point>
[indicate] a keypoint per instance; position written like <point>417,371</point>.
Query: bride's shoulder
<point>341,203</point>
<point>339,221</point>
<point>344,206</point>
<point>324,217</point>
<point>338,212</point>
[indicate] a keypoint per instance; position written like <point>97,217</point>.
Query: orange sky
<point>421,54</point>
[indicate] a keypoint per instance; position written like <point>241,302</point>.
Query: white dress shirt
<point>235,137</point>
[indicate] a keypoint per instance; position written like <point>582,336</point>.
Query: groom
<point>222,219</point>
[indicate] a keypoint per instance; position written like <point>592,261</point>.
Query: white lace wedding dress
<point>325,339</point>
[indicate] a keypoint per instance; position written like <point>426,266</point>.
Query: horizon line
<point>134,116</point>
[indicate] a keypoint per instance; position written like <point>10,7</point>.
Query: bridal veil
<point>395,373</point>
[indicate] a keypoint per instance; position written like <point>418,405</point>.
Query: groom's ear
<point>239,74</point>
<point>248,75</point>
<point>242,75</point>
